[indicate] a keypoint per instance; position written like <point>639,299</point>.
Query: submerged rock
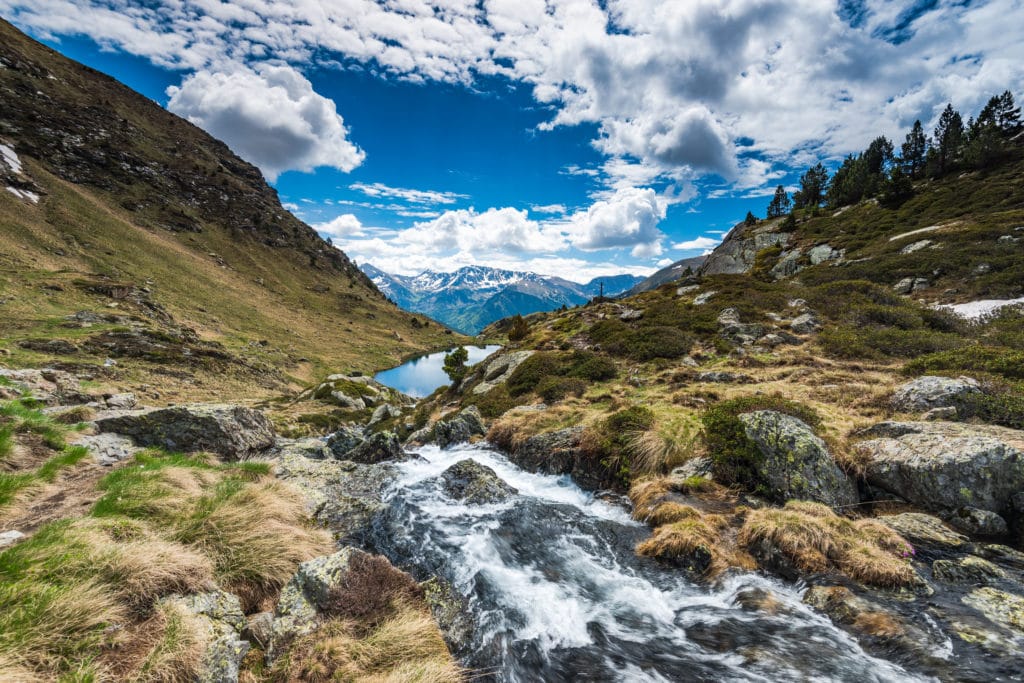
<point>476,484</point>
<point>926,393</point>
<point>944,466</point>
<point>796,462</point>
<point>231,431</point>
<point>1002,608</point>
<point>966,570</point>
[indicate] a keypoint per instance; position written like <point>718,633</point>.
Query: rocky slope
<point>131,235</point>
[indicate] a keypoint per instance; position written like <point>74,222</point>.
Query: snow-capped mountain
<point>473,297</point>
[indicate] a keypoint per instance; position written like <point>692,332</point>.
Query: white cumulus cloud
<point>627,218</point>
<point>270,116</point>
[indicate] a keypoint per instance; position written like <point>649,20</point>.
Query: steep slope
<point>168,244</point>
<point>669,273</point>
<point>473,297</point>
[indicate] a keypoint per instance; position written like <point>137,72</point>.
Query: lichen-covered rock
<point>311,447</point>
<point>694,467</point>
<point>978,522</point>
<point>109,449</point>
<point>739,250</point>
<point>824,252</point>
<point>231,431</point>
<point>380,447</point>
<point>805,323</point>
<point>476,484</point>
<point>500,369</point>
<point>925,531</point>
<point>722,377</point>
<point>344,440</point>
<point>120,401</point>
<point>52,387</point>
<point>943,466</point>
<point>301,597</point>
<point>341,495</point>
<point>259,629</point>
<point>458,429</point>
<point>219,616</point>
<point>1001,607</point>
<point>966,570</point>
<point>384,411</point>
<point>926,393</point>
<point>796,463</point>
<point>556,452</point>
<point>451,613</point>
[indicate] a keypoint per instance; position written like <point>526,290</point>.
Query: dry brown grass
<point>815,539</point>
<point>693,540</point>
<point>177,654</point>
<point>670,512</point>
<point>74,415</point>
<point>406,647</point>
<point>879,625</point>
<point>650,496</point>
<point>11,671</point>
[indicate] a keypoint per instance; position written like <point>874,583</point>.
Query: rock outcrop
<point>927,393</point>
<point>945,466</point>
<point>796,462</point>
<point>500,369</point>
<point>229,430</point>
<point>219,616</point>
<point>458,428</point>
<point>739,250</point>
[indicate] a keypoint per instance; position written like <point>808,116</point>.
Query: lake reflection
<point>421,376</point>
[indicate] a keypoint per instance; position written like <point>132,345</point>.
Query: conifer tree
<point>913,151</point>
<point>780,204</point>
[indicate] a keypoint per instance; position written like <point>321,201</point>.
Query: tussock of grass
<point>694,539</point>
<point>405,648</point>
<point>176,655</point>
<point>671,512</point>
<point>650,495</point>
<point>21,416</point>
<point>74,416</point>
<point>815,539</point>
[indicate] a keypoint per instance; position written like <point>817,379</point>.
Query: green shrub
<point>608,443</point>
<point>735,458</point>
<point>553,389</point>
<point>1001,404</point>
<point>591,366</point>
<point>1006,362</point>
<point>879,342</point>
<point>531,371</point>
<point>546,366</point>
<point>491,404</point>
<point>642,343</point>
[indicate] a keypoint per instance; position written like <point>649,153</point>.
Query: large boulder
<point>475,484</point>
<point>344,440</point>
<point>344,496</point>
<point>218,615</point>
<point>925,393</point>
<point>558,452</point>
<point>380,447</point>
<point>945,466</point>
<point>298,608</point>
<point>500,369</point>
<point>796,463</point>
<point>459,428</point>
<point>232,431</point>
<point>925,531</point>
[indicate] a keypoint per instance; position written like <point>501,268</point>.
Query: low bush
<point>643,343</point>
<point>1000,404</point>
<point>975,358</point>
<point>608,443</point>
<point>371,591</point>
<point>553,389</point>
<point>735,458</point>
<point>880,342</point>
<point>548,369</point>
<point>493,403</point>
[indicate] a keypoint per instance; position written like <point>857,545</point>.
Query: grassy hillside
<point>156,231</point>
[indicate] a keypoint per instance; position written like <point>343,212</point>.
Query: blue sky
<point>570,137</point>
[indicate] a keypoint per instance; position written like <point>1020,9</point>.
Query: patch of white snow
<point>975,310</point>
<point>10,159</point>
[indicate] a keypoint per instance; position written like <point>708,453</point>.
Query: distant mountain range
<point>669,273</point>
<point>473,297</point>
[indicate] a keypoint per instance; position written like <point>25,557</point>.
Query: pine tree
<point>812,188</point>
<point>455,364</point>
<point>780,204</point>
<point>897,187</point>
<point>520,328</point>
<point>914,150</point>
<point>751,219</point>
<point>949,137</point>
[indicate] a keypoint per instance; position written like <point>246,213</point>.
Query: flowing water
<point>419,377</point>
<point>556,593</point>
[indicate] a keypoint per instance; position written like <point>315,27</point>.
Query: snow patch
<point>975,310</point>
<point>10,159</point>
<point>24,194</point>
<point>930,228</point>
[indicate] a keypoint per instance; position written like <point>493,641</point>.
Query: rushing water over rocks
<point>556,592</point>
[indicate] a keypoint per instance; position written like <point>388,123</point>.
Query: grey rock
<point>380,447</point>
<point>686,289</point>
<point>220,616</point>
<point>978,522</point>
<point>383,412</point>
<point>631,314</point>
<point>10,537</point>
<point>967,570</point>
<point>344,440</point>
<point>475,484</point>
<point>231,431</point>
<point>721,377</point>
<point>311,447</point>
<point>925,393</point>
<point>342,495</point>
<point>459,428</point>
<point>1000,607</point>
<point>904,286</point>
<point>345,401</point>
<point>125,401</point>
<point>109,449</point>
<point>703,298</point>
<point>925,530</point>
<point>943,466</point>
<point>822,253</point>
<point>301,598</point>
<point>796,462</point>
<point>788,264</point>
<point>694,467</point>
<point>805,323</point>
<point>500,369</point>
<point>739,250</point>
<point>947,413</point>
<point>558,452</point>
<point>1002,554</point>
<point>259,629</point>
